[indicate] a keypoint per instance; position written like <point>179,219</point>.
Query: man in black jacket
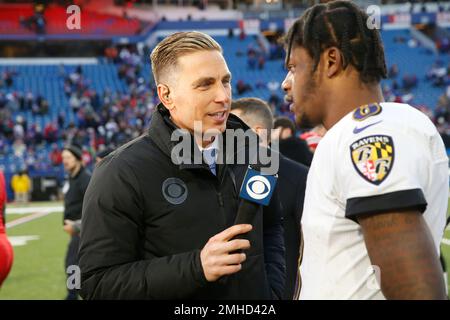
<point>155,227</point>
<point>291,185</point>
<point>290,146</point>
<point>74,189</point>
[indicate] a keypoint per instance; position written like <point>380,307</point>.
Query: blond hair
<point>165,55</point>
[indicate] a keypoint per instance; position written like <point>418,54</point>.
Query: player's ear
<point>164,96</point>
<point>333,61</point>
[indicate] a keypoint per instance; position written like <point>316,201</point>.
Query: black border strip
<point>413,198</point>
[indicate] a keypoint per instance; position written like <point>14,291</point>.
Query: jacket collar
<point>161,128</point>
<point>78,173</point>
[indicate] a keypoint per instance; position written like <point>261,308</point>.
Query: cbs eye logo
<point>174,190</point>
<point>258,187</point>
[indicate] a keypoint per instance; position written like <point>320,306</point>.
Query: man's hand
<point>68,227</point>
<point>401,245</point>
<point>217,255</point>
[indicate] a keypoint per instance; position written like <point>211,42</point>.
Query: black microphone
<point>256,191</point>
<point>246,212</point>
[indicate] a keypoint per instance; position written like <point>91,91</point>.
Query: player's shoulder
<point>406,115</point>
<point>376,124</point>
<point>402,115</point>
<point>384,118</point>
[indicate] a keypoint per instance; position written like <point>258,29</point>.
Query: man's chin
<point>303,121</point>
<point>208,132</point>
<point>214,131</point>
<point>215,128</point>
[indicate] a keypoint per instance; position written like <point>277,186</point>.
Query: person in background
<point>55,155</point>
<point>74,189</point>
<point>73,227</point>
<point>21,185</point>
<point>100,155</point>
<point>313,137</point>
<point>290,146</point>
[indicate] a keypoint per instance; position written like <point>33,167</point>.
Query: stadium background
<point>94,86</point>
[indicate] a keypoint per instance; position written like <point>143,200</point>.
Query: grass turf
<point>38,269</point>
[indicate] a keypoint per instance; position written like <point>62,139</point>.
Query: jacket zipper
<point>220,199</point>
<point>218,186</point>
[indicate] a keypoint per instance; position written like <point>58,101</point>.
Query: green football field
<point>38,270</point>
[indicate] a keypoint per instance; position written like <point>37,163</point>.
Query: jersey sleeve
<point>385,168</point>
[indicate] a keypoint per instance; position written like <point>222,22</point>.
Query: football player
<point>377,189</point>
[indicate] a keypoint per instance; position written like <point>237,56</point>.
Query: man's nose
<point>286,84</point>
<point>223,94</point>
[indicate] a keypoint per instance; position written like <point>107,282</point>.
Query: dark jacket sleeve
<point>111,250</point>
<point>274,250</point>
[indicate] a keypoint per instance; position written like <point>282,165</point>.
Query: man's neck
<point>75,171</point>
<point>203,144</point>
<point>349,100</point>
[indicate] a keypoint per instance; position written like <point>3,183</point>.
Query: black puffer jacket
<point>145,220</point>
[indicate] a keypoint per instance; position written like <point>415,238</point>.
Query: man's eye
<point>204,85</point>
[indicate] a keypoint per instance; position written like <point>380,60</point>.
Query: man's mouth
<point>289,100</point>
<point>218,116</point>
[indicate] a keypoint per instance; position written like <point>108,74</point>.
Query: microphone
<point>256,190</point>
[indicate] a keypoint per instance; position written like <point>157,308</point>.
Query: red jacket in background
<point>6,250</point>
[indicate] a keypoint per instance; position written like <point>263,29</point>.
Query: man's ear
<point>286,133</point>
<point>333,61</point>
<point>164,96</point>
<point>262,132</point>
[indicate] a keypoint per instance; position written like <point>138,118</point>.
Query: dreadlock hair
<point>343,25</point>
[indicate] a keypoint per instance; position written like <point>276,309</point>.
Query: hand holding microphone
<point>222,255</point>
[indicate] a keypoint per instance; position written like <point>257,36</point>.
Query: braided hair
<point>340,24</point>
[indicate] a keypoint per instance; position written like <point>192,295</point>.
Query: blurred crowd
<point>438,76</point>
<point>101,120</point>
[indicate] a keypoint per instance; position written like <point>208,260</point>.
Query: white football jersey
<point>377,158</point>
